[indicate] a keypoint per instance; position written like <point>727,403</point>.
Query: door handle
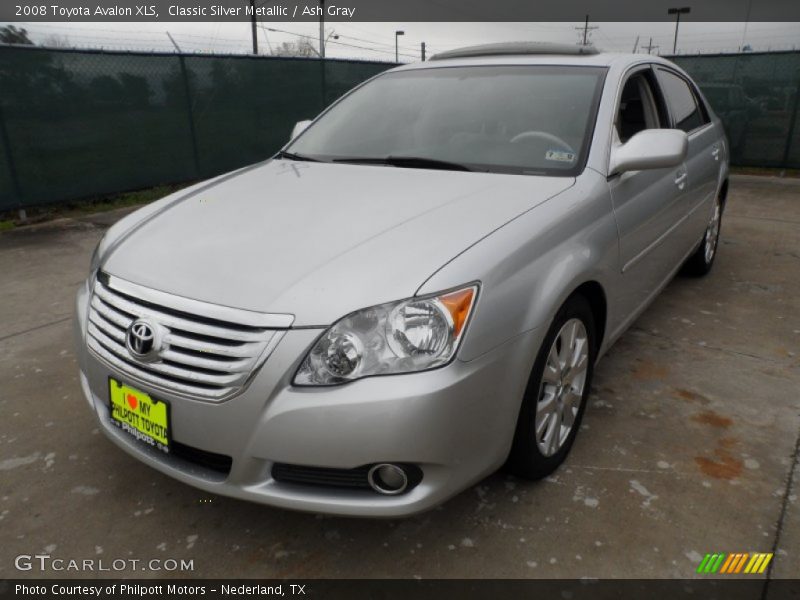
<point>715,152</point>
<point>680,180</point>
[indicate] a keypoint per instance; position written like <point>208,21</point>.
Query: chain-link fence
<point>83,123</point>
<point>757,97</point>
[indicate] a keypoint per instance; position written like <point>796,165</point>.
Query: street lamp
<point>333,35</point>
<point>396,47</point>
<point>677,12</point>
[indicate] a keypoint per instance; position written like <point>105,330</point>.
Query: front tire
<point>555,397</point>
<point>700,263</point>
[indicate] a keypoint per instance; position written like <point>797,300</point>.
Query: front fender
<point>529,267</point>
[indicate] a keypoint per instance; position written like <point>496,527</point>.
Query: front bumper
<point>456,423</point>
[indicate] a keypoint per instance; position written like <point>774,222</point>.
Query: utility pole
<point>322,28</point>
<point>746,21</point>
<point>650,46</point>
<point>253,25</point>
<point>685,10</point>
<point>422,51</point>
<point>586,29</point>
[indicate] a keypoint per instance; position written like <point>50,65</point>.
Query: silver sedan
<point>414,291</point>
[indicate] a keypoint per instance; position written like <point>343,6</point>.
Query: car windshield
<point>507,119</point>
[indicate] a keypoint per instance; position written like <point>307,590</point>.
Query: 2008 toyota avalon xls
<point>414,291</point>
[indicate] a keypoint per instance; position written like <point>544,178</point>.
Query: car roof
<point>532,53</point>
<point>506,48</point>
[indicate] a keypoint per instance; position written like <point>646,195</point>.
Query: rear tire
<point>556,393</point>
<point>700,263</point>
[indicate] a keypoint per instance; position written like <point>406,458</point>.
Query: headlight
<point>399,337</point>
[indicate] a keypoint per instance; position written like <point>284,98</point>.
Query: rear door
<point>689,113</point>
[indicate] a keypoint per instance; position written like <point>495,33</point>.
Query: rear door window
<point>686,113</point>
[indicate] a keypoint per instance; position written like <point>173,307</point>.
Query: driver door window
<point>637,108</point>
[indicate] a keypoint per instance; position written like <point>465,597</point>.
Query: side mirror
<point>650,149</point>
<point>299,128</point>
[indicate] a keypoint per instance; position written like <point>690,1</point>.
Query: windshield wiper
<point>408,162</point>
<point>294,156</point>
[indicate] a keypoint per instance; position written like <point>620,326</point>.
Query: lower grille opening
<point>353,479</point>
<point>202,458</point>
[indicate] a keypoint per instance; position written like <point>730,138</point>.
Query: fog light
<point>388,479</point>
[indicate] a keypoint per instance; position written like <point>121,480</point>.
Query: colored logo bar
<point>733,563</point>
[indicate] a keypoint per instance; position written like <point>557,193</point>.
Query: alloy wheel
<point>562,386</point>
<point>712,233</point>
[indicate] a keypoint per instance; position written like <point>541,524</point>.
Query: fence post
<point>12,168</point>
<point>190,115</point>
<point>792,125</point>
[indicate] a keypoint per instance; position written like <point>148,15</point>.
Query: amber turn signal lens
<point>458,304</point>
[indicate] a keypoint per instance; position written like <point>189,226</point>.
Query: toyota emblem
<point>143,340</point>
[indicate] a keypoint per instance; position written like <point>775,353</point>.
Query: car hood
<point>318,240</point>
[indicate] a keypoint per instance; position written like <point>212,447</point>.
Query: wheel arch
<point>723,193</point>
<point>596,296</point>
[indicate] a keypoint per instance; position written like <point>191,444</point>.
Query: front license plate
<point>137,413</point>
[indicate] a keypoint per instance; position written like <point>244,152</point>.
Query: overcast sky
<point>375,41</point>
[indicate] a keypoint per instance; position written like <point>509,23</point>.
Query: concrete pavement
<point>688,444</point>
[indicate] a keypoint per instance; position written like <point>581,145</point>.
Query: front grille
<point>208,351</point>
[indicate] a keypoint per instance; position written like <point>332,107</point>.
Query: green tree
<point>12,35</point>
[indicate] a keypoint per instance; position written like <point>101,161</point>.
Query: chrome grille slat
<point>161,367</point>
<point>240,351</point>
<point>201,356</point>
<point>239,366</point>
<point>109,314</point>
<point>174,322</point>
<point>108,330</point>
<point>180,388</point>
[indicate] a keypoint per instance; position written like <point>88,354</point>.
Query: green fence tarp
<point>756,97</point>
<point>83,123</point>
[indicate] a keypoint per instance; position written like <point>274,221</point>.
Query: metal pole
<point>422,48</point>
<point>792,125</point>
<point>397,35</point>
<point>253,25</point>
<point>677,24</point>
<point>322,28</point>
<point>323,82</point>
<point>174,43</point>
<point>585,29</point>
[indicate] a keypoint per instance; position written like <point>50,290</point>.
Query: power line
<point>650,47</point>
<point>338,43</point>
<point>349,37</point>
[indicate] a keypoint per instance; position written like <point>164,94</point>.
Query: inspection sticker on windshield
<point>143,417</point>
<point>560,156</point>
